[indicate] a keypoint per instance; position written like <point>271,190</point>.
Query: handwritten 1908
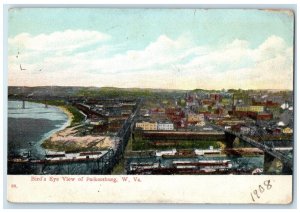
<point>257,193</point>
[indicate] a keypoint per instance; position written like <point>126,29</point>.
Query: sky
<point>151,48</point>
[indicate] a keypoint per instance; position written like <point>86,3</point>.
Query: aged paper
<point>150,105</point>
<point>151,189</point>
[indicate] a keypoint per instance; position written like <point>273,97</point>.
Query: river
<point>29,127</point>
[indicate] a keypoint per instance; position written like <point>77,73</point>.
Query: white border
<point>157,3</point>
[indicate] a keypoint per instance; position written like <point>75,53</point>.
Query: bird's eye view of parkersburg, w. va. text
<point>150,91</point>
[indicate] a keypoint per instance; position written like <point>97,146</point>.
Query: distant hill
<point>113,92</point>
<point>70,91</point>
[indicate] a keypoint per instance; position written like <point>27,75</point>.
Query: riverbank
<point>29,127</point>
<point>74,139</point>
<point>68,113</point>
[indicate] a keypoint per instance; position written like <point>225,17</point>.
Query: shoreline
<point>69,138</point>
<point>65,115</point>
<point>62,108</point>
<point>69,115</point>
<point>48,141</point>
<point>44,143</point>
<point>70,118</point>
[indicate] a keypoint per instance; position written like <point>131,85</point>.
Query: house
<point>230,122</point>
<point>264,116</point>
<point>287,130</point>
<point>281,123</point>
<point>157,111</point>
<point>242,108</point>
<point>256,108</point>
<point>146,125</point>
<point>200,123</point>
<point>165,125</point>
<point>227,127</point>
<point>277,131</point>
<point>195,118</point>
<point>95,121</point>
<point>250,108</point>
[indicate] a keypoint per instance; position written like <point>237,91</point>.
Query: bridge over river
<point>270,152</point>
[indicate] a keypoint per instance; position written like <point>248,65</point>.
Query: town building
<point>165,125</point>
<point>287,130</point>
<point>95,122</point>
<point>264,116</point>
<point>256,108</point>
<point>230,122</point>
<point>146,125</point>
<point>200,123</point>
<point>157,111</point>
<point>250,108</point>
<point>195,118</point>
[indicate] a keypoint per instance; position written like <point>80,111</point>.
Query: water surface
<point>29,127</point>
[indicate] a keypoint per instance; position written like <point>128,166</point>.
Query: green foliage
<point>111,92</point>
<point>140,144</point>
<point>77,116</point>
<point>206,90</point>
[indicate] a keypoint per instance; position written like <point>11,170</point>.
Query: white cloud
<point>68,40</point>
<point>164,63</point>
<point>270,65</point>
<point>161,52</point>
